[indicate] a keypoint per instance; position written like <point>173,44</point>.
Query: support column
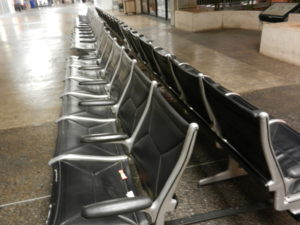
<point>174,7</point>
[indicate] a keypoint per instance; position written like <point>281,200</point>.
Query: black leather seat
<point>286,145</point>
<point>88,42</point>
<point>167,76</point>
<point>92,57</point>
<point>82,183</point>
<point>191,84</point>
<point>72,102</point>
<point>129,39</point>
<point>122,122</point>
<point>136,41</point>
<point>270,148</point>
<point>91,69</point>
<point>88,191</point>
<point>148,49</point>
<point>105,78</point>
<point>267,147</point>
<point>112,22</point>
<point>239,124</point>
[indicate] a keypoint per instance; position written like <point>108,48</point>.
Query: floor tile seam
<point>24,201</point>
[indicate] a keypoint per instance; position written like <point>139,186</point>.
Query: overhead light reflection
<point>3,34</point>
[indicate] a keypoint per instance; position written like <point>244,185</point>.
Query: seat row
<point>264,146</point>
<point>121,148</point>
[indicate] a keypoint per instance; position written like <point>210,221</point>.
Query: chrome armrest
<point>97,102</point>
<point>75,157</point>
<point>84,95</point>
<point>115,207</point>
<point>277,121</point>
<point>183,64</point>
<point>87,41</point>
<point>84,28</point>
<point>87,57</point>
<point>86,36</point>
<point>105,137</point>
<point>85,32</point>
<point>93,82</point>
<point>90,68</point>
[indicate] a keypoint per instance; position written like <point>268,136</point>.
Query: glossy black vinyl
<point>189,80</point>
<point>239,124</point>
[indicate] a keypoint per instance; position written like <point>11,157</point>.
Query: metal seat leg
<point>233,171</point>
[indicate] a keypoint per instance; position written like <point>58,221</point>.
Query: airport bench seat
<point>112,91</point>
<point>120,127</point>
<point>269,147</point>
<point>91,190</point>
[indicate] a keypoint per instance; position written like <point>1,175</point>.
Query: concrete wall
<point>294,17</point>
<point>183,4</point>
<point>138,6</point>
<point>194,21</point>
<point>242,20</point>
<point>207,21</point>
<point>281,41</point>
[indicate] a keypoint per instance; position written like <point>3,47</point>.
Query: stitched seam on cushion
<point>158,175</point>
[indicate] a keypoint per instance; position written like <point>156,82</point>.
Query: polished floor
<point>34,45</point>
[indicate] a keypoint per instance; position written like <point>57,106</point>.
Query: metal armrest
<point>84,28</point>
<point>86,36</point>
<point>93,82</point>
<point>115,207</point>
<point>90,41</point>
<point>105,137</point>
<point>97,102</point>
<point>85,32</point>
<point>88,57</point>
<point>157,48</point>
<point>90,68</point>
<point>75,157</point>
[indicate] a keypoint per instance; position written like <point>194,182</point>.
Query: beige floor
<point>34,45</point>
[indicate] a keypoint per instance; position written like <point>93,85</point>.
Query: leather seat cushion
<point>73,85</point>
<point>83,183</point>
<point>70,132</point>
<point>71,106</point>
<point>75,72</point>
<point>286,144</point>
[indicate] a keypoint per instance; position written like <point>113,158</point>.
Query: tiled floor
<point>34,45</point>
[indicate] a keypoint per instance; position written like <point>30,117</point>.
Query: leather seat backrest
<point>127,33</point>
<point>102,44</point>
<point>134,101</point>
<point>166,72</point>
<point>158,144</point>
<point>189,79</point>
<point>130,35</point>
<point>135,38</point>
<point>114,61</point>
<point>148,50</point>
<point>239,122</point>
<point>108,48</point>
<point>118,29</point>
<point>120,80</point>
